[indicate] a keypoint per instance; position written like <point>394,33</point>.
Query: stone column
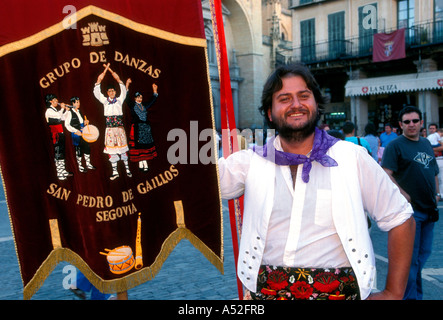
<point>428,100</point>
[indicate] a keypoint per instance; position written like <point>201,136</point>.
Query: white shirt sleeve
<point>123,92</point>
<point>98,94</point>
<point>68,123</point>
<point>381,197</point>
<point>233,172</point>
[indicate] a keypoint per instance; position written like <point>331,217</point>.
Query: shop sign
<point>381,88</point>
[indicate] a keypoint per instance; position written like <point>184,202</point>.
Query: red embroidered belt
<point>283,283</point>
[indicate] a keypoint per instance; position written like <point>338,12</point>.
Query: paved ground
<point>180,277</point>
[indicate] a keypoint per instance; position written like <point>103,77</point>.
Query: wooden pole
<point>122,295</point>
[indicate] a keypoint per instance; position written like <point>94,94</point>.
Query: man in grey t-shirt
<point>409,161</point>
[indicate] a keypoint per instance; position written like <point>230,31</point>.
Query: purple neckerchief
<point>322,142</point>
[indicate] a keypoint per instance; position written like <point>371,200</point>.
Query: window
<point>405,9</point>
<point>212,57</point>
<point>336,34</point>
<point>307,34</point>
<point>438,20</point>
<point>438,9</point>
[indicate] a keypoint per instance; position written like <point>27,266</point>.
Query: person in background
<point>387,136</point>
<point>372,139</point>
<point>349,132</point>
<point>410,162</point>
<point>434,138</point>
<point>336,133</point>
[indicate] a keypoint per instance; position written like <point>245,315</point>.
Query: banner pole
<point>229,130</point>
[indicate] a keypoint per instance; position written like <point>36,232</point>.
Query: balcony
<point>417,36</point>
<point>294,4</point>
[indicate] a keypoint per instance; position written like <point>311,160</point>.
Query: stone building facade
<point>334,38</point>
<point>256,32</point>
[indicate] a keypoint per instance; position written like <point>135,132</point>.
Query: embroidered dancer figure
<point>141,142</point>
<point>74,123</point>
<point>54,118</point>
<point>116,145</point>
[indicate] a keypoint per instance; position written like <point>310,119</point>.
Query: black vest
<point>75,121</point>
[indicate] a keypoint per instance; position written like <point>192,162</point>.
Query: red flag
<point>389,46</point>
<point>62,203</point>
<point>229,134</point>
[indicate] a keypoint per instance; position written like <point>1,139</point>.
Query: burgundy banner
<point>101,152</point>
<point>389,46</point>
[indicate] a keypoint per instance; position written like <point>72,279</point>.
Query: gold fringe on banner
<point>125,283</point>
<point>60,254</point>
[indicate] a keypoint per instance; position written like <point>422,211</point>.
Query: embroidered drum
<point>120,259</point>
<point>90,133</point>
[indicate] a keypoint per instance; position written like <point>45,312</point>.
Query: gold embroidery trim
<point>180,215</point>
<point>55,233</point>
<point>89,10</point>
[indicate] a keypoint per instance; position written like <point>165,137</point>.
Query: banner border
<point>62,254</point>
<point>105,14</point>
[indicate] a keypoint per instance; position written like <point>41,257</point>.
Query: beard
<point>297,133</point>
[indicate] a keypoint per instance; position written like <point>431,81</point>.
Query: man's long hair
<point>274,84</point>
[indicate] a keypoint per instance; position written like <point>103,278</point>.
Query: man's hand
<point>400,247</point>
<point>128,82</point>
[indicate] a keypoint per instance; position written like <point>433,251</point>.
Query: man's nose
<point>295,101</point>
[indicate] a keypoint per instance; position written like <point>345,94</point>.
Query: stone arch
<point>240,25</point>
<point>244,35</point>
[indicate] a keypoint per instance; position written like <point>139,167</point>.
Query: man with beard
<point>304,230</point>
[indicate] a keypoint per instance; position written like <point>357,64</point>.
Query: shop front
<point>379,100</point>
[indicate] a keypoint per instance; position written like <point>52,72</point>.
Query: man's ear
<point>269,114</point>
